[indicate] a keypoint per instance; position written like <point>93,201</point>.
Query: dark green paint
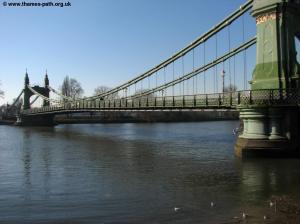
<point>276,61</point>
<point>42,90</point>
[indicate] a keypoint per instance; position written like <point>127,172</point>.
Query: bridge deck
<point>230,100</point>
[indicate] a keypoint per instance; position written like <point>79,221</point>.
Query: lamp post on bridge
<point>223,80</point>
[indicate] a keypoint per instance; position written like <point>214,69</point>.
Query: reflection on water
<point>133,173</point>
<point>264,178</point>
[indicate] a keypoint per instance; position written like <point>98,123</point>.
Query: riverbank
<point>6,122</point>
<point>277,210</point>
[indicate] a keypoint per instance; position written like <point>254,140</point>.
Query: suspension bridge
<point>212,73</point>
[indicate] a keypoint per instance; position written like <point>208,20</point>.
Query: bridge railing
<point>270,97</point>
<point>265,97</point>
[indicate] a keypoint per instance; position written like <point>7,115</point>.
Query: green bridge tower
<point>274,130</point>
<point>41,90</point>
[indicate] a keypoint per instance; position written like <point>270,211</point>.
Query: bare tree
<point>15,107</point>
<point>104,89</point>
<point>230,88</point>
<point>3,109</point>
<point>101,89</point>
<point>1,92</point>
<point>75,88</point>
<point>71,88</point>
<point>142,91</point>
<point>19,104</point>
<point>65,87</point>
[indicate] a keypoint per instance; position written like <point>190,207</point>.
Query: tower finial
<point>46,79</point>
<point>26,78</point>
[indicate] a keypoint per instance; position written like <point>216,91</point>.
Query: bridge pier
<point>272,127</point>
<point>269,132</point>
<point>255,123</point>
<point>36,120</point>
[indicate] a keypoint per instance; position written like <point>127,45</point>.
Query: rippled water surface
<point>133,173</point>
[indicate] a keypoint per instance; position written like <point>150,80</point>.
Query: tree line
<point>1,92</point>
<point>72,88</point>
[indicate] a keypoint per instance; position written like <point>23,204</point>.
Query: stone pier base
<point>249,148</point>
<point>269,132</point>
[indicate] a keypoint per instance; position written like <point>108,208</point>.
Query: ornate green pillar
<point>278,30</point>
<point>255,123</point>
<point>275,119</point>
<point>266,131</point>
<point>46,93</point>
<point>27,93</point>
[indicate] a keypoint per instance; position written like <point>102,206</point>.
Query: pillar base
<point>250,148</point>
<point>255,122</point>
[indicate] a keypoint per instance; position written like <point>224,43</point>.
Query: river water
<point>134,173</point>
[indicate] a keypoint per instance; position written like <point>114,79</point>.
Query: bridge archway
<point>41,90</point>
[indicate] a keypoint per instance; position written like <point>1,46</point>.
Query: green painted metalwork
<point>275,78</point>
<point>43,91</point>
<point>278,22</point>
<point>207,66</point>
<point>220,26</point>
<point>240,99</point>
<point>27,92</point>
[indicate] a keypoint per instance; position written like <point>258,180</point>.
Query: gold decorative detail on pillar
<point>266,17</point>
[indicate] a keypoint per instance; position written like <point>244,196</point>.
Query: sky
<point>98,42</point>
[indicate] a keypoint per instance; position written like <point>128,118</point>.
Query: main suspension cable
<point>42,96</point>
<point>228,20</point>
<point>205,66</point>
<point>35,99</point>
